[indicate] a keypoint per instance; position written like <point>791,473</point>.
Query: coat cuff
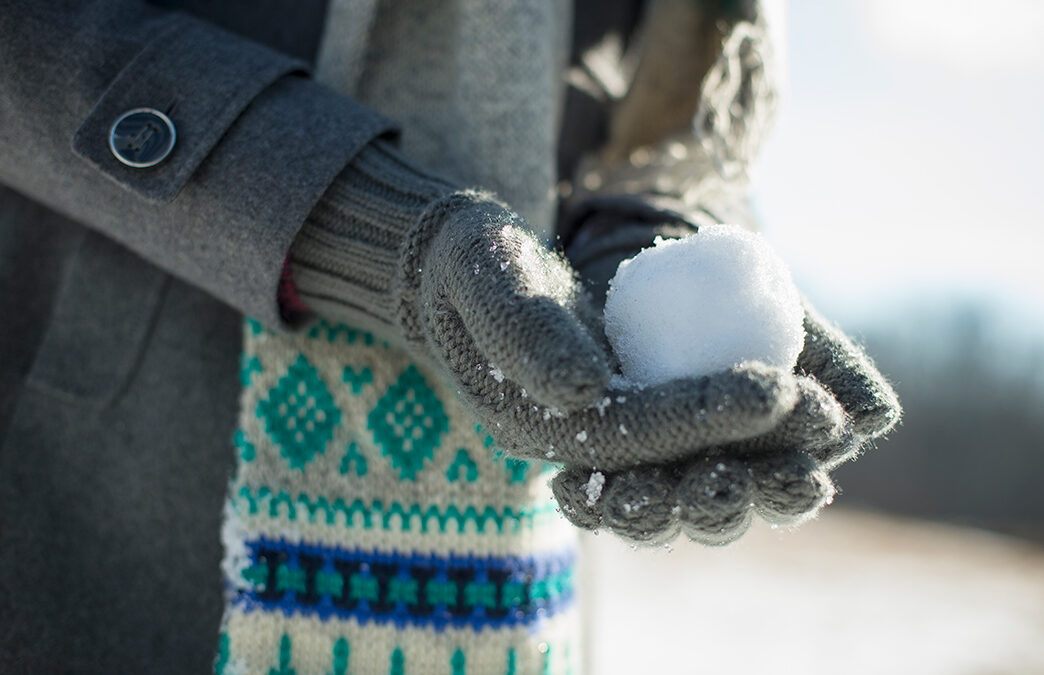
<point>257,146</point>
<point>254,191</point>
<point>199,78</point>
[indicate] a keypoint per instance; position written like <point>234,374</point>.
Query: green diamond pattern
<point>300,414</point>
<point>408,423</point>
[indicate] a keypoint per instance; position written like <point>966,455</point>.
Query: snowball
<point>703,304</point>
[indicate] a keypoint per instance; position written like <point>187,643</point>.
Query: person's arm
<point>257,142</point>
<point>701,85</point>
<point>675,158</point>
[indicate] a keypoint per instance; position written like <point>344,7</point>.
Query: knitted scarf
<point>371,526</point>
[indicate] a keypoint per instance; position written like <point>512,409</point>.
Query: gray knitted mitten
<point>841,403</point>
<point>455,277</point>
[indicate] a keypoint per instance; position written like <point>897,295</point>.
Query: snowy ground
<point>850,593</point>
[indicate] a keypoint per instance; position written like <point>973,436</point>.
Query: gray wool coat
<point>121,294</point>
<point>121,297</point>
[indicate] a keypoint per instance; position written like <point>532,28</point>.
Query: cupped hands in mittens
<point>509,322</point>
<point>699,456</point>
<point>831,404</point>
<point>454,276</point>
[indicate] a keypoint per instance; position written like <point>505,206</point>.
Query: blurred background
<point>904,186</point>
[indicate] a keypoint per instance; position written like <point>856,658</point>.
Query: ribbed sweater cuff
<point>348,256</point>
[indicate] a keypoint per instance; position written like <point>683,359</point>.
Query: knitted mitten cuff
<point>452,275</point>
<point>347,259</point>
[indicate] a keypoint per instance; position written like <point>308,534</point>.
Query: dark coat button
<point>142,137</point>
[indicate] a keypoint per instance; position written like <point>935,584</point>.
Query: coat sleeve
<point>257,141</point>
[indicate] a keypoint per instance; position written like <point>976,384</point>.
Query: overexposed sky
<point>908,157</point>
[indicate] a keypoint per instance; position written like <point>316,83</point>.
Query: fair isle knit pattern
<point>372,527</point>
